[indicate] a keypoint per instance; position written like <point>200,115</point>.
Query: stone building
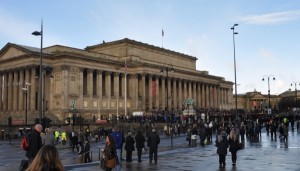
<point>93,79</point>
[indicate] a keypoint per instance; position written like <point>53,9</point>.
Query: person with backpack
<point>34,142</point>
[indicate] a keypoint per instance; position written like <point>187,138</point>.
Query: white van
<point>137,113</point>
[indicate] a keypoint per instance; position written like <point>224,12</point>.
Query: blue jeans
<point>118,166</point>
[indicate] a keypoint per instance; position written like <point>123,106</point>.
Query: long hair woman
<point>233,145</point>
<point>47,159</point>
<point>110,153</point>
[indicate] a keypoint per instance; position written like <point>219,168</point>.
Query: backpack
<point>25,143</point>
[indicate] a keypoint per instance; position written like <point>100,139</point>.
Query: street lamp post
<point>25,89</point>
<point>235,85</point>
<point>269,95</point>
<point>40,33</point>
<point>295,83</point>
<point>166,69</point>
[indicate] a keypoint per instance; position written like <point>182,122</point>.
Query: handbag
<point>24,164</point>
<point>111,163</point>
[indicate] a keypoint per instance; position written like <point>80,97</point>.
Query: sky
<point>267,44</point>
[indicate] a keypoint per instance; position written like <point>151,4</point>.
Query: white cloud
<point>267,55</point>
<point>271,18</point>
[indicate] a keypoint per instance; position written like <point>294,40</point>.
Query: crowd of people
<point>230,135</point>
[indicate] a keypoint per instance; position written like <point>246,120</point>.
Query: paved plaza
<point>263,155</point>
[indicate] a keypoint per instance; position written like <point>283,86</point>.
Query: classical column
<point>15,91</point>
<point>169,93</point>
<point>156,78</point>
<point>123,85</point>
<point>194,93</point>
<point>10,91</point>
<point>143,93</point>
<point>20,90</point>
<point>108,87</point>
<point>207,95</point>
<point>184,90</point>
<point>1,91</point>
<point>80,98</point>
<point>116,88</point>
<point>150,91</point>
<point>199,95</point>
<point>190,89</point>
<point>5,91</point>
<point>65,86</point>
<point>90,85</point>
<point>175,96</point>
<point>136,90</point>
<point>203,99</point>
<point>99,88</point>
<point>180,101</point>
<point>163,93</point>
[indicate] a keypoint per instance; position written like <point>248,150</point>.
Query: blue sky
<point>267,42</point>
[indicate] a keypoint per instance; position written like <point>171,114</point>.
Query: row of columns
<point>149,91</point>
<point>12,96</point>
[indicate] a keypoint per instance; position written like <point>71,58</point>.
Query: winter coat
<point>233,145</point>
<point>129,143</point>
<point>35,143</point>
<point>153,140</point>
<point>140,141</point>
<point>222,144</point>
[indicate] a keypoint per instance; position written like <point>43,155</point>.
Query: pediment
<point>12,50</point>
<point>258,96</point>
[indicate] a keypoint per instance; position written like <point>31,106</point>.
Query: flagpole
<point>162,38</point>
<point>125,89</point>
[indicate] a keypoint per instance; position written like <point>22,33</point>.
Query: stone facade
<point>93,81</point>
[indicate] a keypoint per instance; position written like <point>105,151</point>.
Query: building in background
<point>92,81</point>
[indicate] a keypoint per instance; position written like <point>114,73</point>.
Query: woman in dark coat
<point>233,145</point>
<point>140,144</point>
<point>129,147</point>
<point>222,144</point>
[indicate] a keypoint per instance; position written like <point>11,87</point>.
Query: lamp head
<point>37,33</point>
<point>274,78</point>
<point>263,79</point>
<point>235,25</point>
<point>161,70</point>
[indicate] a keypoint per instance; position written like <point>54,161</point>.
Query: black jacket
<point>140,141</point>
<point>35,143</point>
<point>129,143</point>
<point>153,140</point>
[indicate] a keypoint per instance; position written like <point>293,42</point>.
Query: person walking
<point>110,153</point>
<point>222,144</point>
<point>129,147</point>
<point>46,159</point>
<point>153,141</point>
<point>233,145</point>
<point>74,141</point>
<point>87,148</point>
<point>49,138</point>
<point>35,143</point>
<point>117,136</point>
<point>140,144</point>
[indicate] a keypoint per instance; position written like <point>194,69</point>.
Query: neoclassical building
<point>93,81</point>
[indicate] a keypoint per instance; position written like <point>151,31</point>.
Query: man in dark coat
<point>140,144</point>
<point>153,141</point>
<point>222,144</point>
<point>35,142</point>
<point>129,147</point>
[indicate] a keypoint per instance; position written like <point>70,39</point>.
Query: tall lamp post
<point>295,83</point>
<point>235,85</point>
<point>167,69</point>
<point>269,96</point>
<point>40,33</point>
<point>25,89</point>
